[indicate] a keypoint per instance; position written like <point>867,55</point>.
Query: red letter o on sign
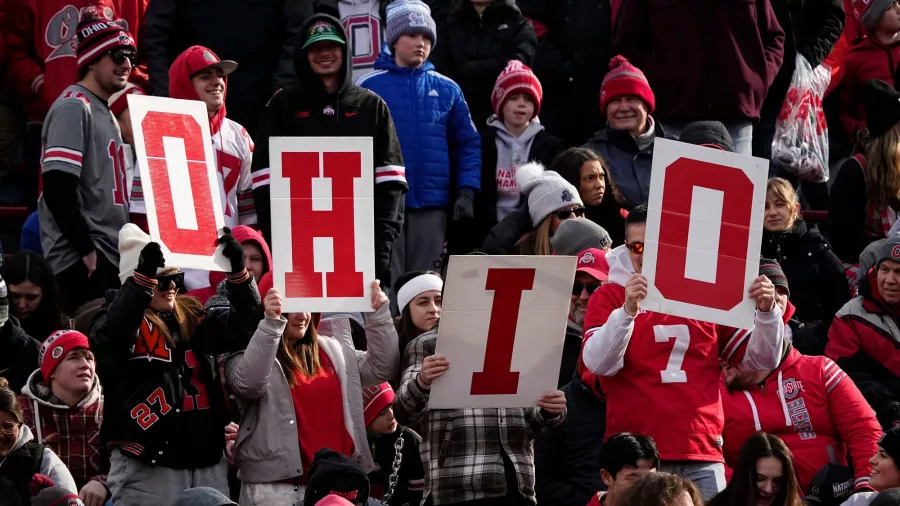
<point>681,178</point>
<point>155,126</point>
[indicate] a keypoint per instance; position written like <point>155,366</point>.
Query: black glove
<point>464,208</point>
<point>151,260</point>
<point>233,251</point>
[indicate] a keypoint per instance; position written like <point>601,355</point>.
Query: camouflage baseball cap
<point>320,31</point>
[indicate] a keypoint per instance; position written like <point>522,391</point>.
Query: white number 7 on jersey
<point>673,372</point>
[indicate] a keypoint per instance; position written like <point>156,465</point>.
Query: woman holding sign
<point>300,383</point>
<point>165,408</point>
<point>419,299</point>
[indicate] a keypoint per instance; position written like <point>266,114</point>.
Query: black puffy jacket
<point>815,275</point>
<point>473,50</point>
<point>257,34</point>
<point>571,62</point>
<point>567,458</point>
<point>18,354</point>
<point>163,406</point>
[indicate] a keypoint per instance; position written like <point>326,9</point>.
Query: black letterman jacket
<point>145,380</point>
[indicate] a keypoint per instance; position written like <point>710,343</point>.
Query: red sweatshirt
<point>811,404</point>
<point>40,41</point>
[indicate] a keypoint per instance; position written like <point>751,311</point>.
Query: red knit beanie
<point>625,79</point>
<point>97,35</point>
<point>54,349</point>
<point>375,399</point>
<point>516,78</point>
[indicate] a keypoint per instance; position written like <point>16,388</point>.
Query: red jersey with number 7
<point>661,373</point>
<point>81,137</point>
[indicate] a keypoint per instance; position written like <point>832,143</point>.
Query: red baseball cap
<point>201,58</point>
<point>593,262</point>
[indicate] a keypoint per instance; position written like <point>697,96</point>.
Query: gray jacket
<point>266,449</point>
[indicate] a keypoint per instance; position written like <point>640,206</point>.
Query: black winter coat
<point>567,458</point>
<point>811,28</point>
<point>410,478</point>
<point>571,62</point>
<point>18,354</point>
<point>153,393</point>
<point>308,110</point>
<point>544,148</point>
<point>473,50</point>
<point>570,356</point>
<point>815,275</point>
<point>16,472</point>
<point>257,34</point>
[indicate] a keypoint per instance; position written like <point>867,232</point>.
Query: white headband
<point>417,286</point>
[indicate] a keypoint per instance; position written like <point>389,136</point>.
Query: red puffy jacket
<point>811,404</point>
<point>864,340</point>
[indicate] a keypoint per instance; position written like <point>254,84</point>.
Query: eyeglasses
<point>120,55</point>
<point>165,282</point>
<point>636,247</point>
<point>29,297</point>
<point>565,214</point>
<point>577,288</point>
<point>9,428</point>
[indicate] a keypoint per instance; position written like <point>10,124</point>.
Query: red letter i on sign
<point>496,378</point>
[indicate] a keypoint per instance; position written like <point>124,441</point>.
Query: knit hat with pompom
<point>547,191</point>
<point>625,79</point>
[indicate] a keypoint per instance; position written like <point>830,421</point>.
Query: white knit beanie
<point>131,242</point>
<point>547,191</point>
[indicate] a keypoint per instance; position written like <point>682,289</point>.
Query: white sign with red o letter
<point>704,231</point>
<point>502,329</point>
<point>178,174</point>
<point>323,222</point>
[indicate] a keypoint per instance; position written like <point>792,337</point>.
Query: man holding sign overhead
<point>668,365</point>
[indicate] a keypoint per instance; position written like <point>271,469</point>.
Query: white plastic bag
<point>800,145</point>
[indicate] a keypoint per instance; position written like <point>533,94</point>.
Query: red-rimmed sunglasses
<point>635,247</point>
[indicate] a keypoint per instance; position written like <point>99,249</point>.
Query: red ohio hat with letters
<point>54,349</point>
<point>97,35</point>
<point>375,399</point>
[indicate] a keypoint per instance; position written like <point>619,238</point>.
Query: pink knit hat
<point>625,79</point>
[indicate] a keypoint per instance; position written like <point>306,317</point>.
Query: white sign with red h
<point>323,220</point>
<point>178,173</point>
<point>704,232</point>
<point>502,329</point>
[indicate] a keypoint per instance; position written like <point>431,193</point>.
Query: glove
<point>233,251</point>
<point>464,209</point>
<point>151,260</point>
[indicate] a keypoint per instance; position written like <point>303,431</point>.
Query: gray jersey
<point>81,137</point>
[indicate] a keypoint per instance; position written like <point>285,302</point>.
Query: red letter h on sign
<point>307,224</point>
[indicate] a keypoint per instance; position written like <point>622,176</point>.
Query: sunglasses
<point>165,281</point>
<point>577,288</point>
<point>29,297</point>
<point>120,55</point>
<point>636,247</point>
<point>565,214</point>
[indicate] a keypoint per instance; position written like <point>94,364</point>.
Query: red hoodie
<point>39,38</point>
<point>242,234</point>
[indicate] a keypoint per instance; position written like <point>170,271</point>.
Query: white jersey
<point>233,149</point>
<point>365,30</point>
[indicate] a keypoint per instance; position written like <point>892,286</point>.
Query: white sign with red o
<point>704,232</point>
<point>178,173</point>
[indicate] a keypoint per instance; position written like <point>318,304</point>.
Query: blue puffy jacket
<point>435,129</point>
